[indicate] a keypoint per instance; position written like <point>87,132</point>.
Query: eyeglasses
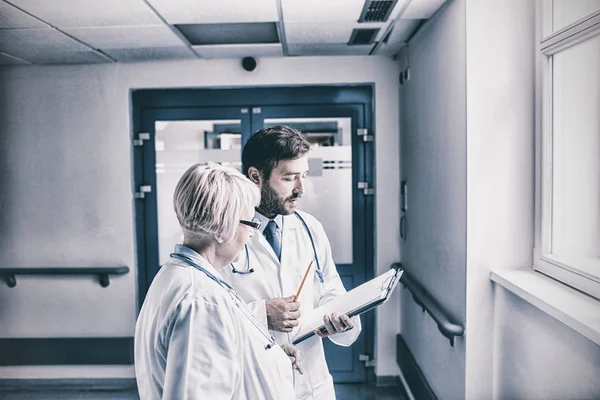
<point>255,223</point>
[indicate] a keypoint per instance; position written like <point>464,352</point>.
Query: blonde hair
<point>209,201</point>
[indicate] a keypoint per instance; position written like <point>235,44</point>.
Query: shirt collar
<point>264,221</point>
<point>197,258</point>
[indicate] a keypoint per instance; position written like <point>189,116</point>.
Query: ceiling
<point>108,31</point>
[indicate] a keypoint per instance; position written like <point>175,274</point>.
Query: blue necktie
<point>273,235</point>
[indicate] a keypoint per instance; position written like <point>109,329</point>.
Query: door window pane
<point>179,145</point>
<point>328,189</point>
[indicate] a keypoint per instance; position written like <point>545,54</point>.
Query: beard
<point>271,204</point>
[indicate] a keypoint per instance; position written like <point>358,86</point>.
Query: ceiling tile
<point>233,51</point>
<point>314,49</point>
<point>6,59</point>
<point>17,41</point>
<point>334,32</point>
<point>127,37</point>
<point>151,54</point>
<point>422,9</point>
<point>211,12</point>
<point>88,13</point>
<point>321,10</point>
<point>12,17</point>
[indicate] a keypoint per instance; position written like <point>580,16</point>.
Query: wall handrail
<point>10,274</point>
<point>428,303</point>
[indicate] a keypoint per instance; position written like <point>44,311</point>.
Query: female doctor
<point>195,338</point>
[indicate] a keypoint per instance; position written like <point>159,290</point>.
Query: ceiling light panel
<point>212,11</point>
<point>151,54</point>
<point>127,37</point>
<point>237,51</point>
<point>360,37</point>
<point>321,10</point>
<point>11,17</point>
<point>17,41</point>
<point>422,9</point>
<point>88,13</point>
<point>233,33</point>
<point>333,32</point>
<point>314,49</point>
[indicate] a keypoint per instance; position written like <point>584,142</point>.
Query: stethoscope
<point>250,270</point>
<point>234,296</point>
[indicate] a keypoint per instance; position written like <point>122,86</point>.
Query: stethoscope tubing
<point>236,297</point>
<point>318,271</point>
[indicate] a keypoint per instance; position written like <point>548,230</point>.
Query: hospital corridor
<point>300,199</point>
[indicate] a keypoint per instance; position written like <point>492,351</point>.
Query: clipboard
<point>359,300</point>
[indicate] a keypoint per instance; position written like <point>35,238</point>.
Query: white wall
<point>540,358</point>
<point>433,117</point>
<point>66,177</point>
<point>500,177</point>
<point>514,350</point>
<point>511,350</point>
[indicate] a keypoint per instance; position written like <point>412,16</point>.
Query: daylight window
<point>568,207</point>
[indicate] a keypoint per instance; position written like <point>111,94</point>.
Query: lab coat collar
<point>264,221</point>
<point>197,258</point>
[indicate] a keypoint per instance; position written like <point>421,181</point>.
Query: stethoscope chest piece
<point>250,270</point>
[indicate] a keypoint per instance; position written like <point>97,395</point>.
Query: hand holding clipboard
<point>355,302</point>
<point>332,323</point>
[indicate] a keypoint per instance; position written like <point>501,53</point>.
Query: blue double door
<point>170,139</point>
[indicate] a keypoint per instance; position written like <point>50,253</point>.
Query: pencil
<point>303,279</point>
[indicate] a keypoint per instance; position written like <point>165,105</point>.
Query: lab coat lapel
<point>288,255</point>
<point>295,255</point>
<point>266,247</point>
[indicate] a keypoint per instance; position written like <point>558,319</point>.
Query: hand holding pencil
<point>283,313</point>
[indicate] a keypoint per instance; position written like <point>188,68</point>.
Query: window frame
<point>581,276</point>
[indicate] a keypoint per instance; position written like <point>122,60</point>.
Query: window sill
<point>574,309</point>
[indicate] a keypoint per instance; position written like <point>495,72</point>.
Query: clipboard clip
<point>388,284</point>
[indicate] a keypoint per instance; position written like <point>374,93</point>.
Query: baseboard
<point>387,380</point>
<point>66,351</point>
<point>67,384</point>
<point>417,383</point>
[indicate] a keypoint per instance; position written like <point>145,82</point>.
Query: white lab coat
<point>193,342</point>
<point>272,279</point>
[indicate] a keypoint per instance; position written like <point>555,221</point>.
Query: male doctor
<point>270,270</point>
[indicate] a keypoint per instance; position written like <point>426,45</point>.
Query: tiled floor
<point>343,392</point>
<point>70,395</point>
<point>368,392</point>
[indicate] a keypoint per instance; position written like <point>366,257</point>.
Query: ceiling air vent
<point>362,36</point>
<point>376,11</point>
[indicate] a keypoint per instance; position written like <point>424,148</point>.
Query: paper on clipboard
<point>357,301</point>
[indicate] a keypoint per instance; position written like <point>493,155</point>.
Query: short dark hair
<point>267,147</point>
